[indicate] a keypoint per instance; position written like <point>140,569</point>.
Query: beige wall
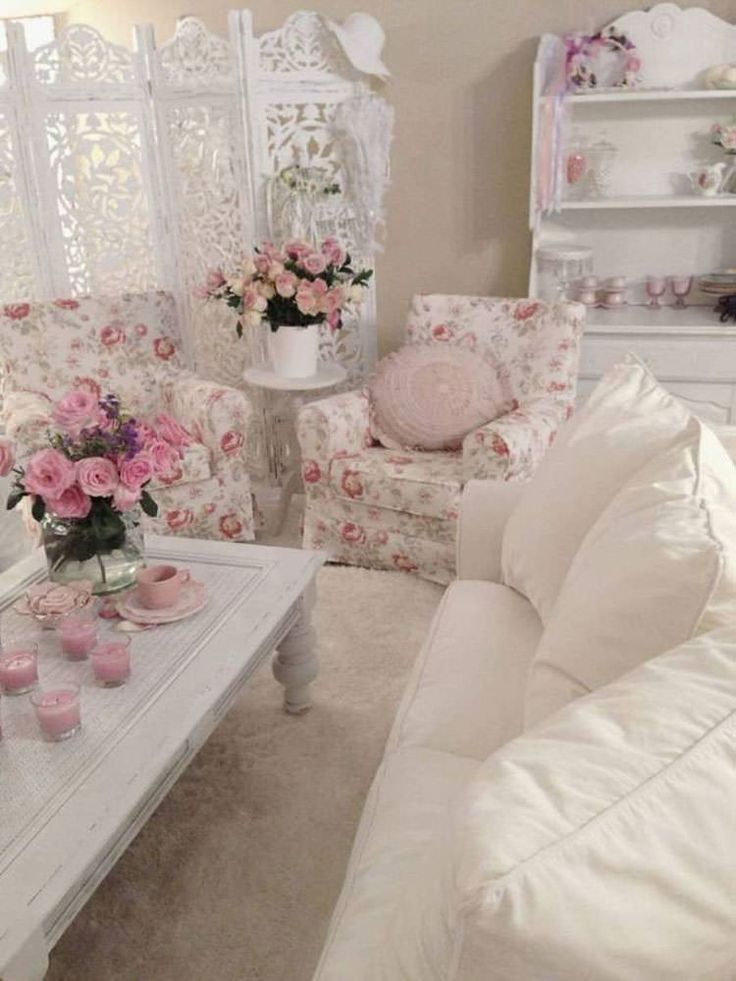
<point>461,87</point>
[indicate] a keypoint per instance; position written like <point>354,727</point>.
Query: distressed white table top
<point>66,809</point>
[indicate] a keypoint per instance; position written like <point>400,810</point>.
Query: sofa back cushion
<point>598,845</point>
<point>657,567</point>
<point>430,396</point>
<point>628,419</point>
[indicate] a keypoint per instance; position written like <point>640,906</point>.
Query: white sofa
<point>598,844</point>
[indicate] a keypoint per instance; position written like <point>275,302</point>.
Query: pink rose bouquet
<point>296,285</point>
<point>96,468</point>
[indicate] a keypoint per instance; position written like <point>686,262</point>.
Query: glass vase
<point>112,565</point>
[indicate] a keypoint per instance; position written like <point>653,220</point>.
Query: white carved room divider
<point>129,170</point>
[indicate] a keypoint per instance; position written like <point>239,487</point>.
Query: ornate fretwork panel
<point>302,45</point>
<point>103,210</point>
<point>196,57</point>
<point>81,55</point>
<point>17,264</point>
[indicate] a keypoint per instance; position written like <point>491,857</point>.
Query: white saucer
<point>192,598</point>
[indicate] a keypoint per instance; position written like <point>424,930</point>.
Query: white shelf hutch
<point>651,222</point>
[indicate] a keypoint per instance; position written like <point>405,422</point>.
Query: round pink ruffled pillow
<point>430,396</point>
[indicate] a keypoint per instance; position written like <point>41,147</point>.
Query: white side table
<point>279,400</point>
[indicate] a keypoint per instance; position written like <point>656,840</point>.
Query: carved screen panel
<point>103,208</point>
<point>17,276</point>
<point>81,56</point>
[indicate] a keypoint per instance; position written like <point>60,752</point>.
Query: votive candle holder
<point>111,662</point>
<point>58,711</point>
<point>19,669</point>
<point>77,635</point>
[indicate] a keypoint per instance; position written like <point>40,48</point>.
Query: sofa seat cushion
<point>466,694</point>
<point>406,806</point>
<point>194,466</point>
<point>628,419</point>
<point>658,567</point>
<point>426,484</point>
<point>598,845</point>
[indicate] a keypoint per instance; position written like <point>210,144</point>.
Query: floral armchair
<point>371,506</point>
<point>129,344</point>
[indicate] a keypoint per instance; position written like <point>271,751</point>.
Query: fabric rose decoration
<point>170,430</point>
<point>49,599</point>
<point>7,456</point>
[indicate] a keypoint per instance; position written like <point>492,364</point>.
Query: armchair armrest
<point>512,446</point>
<point>216,415</point>
<point>26,417</point>
<point>484,510</point>
<point>335,426</point>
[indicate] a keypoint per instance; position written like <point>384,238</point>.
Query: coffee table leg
<point>295,663</point>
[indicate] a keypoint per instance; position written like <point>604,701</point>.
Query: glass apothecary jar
<point>559,267</point>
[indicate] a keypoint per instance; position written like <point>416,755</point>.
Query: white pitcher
<point>708,181</point>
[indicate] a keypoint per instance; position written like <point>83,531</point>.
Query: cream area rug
<point>235,876</point>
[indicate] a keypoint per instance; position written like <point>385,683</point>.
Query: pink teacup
<point>159,585</point>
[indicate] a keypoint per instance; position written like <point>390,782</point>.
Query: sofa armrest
<point>512,446</point>
<point>484,510</point>
<point>26,418</point>
<point>216,415</point>
<point>337,426</point>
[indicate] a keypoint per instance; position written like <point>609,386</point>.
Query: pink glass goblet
<point>656,285</point>
<point>681,286</point>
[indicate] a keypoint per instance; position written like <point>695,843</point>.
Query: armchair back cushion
<point>533,347</point>
<point>430,396</point>
<point>658,567</point>
<point>627,420</point>
<point>597,845</point>
<point>109,343</point>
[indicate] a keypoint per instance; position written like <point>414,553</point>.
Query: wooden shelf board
<point>652,201</point>
<point>666,320</point>
<point>650,95</point>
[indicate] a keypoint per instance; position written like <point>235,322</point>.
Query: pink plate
<point>192,598</point>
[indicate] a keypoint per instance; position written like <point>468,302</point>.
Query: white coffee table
<point>68,810</point>
<point>280,399</point>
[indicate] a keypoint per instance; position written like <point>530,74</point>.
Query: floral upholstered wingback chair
<point>387,509</point>
<point>130,345</point>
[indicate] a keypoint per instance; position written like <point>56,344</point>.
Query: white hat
<point>362,39</point>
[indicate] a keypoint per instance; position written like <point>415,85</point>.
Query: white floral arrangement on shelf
<point>293,286</point>
<point>314,181</point>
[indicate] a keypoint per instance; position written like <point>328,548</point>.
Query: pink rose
<point>17,311</point>
<point>7,456</point>
<point>230,526</point>
<point>231,442</point>
<point>333,300</point>
<point>111,334</point>
<point>66,304</point>
<point>306,300</point>
<point>352,533</point>
<point>136,472</point>
<point>164,348</point>
<point>125,498</point>
<point>169,429</point>
<point>48,473</point>
<point>333,252</point>
<point>72,503</point>
<point>97,476</point>
<point>295,248</point>
<point>179,518</point>
<point>334,320</point>
<point>441,332</point>
<point>76,410</point>
<point>525,309</point>
<point>311,472</point>
<point>352,483</point>
<point>163,456</point>
<point>285,284</point>
<point>87,385</point>
<point>215,279</point>
<point>403,563</point>
<point>314,263</point>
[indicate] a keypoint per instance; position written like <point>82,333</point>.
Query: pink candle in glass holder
<point>19,669</point>
<point>58,711</point>
<point>111,662</point>
<point>77,635</point>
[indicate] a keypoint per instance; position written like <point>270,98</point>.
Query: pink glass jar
<point>58,711</point>
<point>19,669</point>
<point>77,635</point>
<point>111,662</point>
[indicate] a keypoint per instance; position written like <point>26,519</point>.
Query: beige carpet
<point>235,876</point>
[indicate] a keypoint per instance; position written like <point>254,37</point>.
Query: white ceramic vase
<point>294,351</point>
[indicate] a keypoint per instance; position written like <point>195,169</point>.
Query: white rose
<point>355,294</point>
<point>267,290</point>
<point>252,318</point>
<point>249,268</point>
<point>237,286</point>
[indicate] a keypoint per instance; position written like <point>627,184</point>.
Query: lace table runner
<point>37,776</point>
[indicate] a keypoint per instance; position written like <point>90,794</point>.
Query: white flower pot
<point>295,351</point>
